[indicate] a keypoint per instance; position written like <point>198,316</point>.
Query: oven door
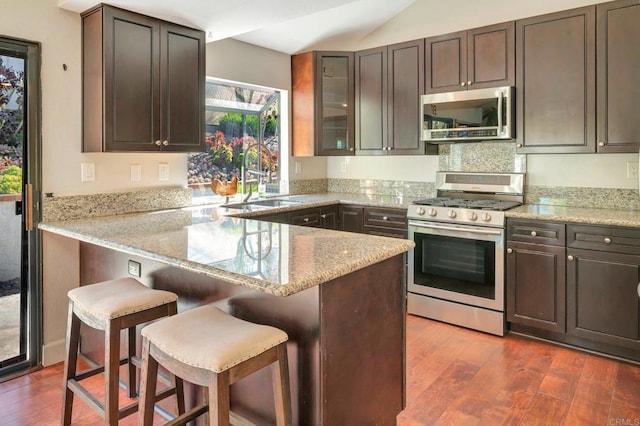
<point>458,263</point>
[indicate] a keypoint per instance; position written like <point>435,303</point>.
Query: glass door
<point>19,169</point>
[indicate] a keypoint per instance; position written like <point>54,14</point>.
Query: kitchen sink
<point>250,205</point>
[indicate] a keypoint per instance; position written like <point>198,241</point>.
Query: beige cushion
<point>96,304</point>
<point>207,338</point>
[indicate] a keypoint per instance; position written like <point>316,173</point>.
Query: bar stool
<point>111,306</point>
<point>210,348</point>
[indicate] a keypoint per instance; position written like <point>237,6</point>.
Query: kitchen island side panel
<point>346,337</point>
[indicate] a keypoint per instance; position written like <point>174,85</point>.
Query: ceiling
<point>287,26</point>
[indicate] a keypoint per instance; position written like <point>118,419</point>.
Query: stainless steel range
<point>456,270</point>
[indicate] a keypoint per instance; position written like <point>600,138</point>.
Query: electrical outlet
<point>298,165</point>
<point>87,172</point>
<point>136,173</point>
<point>632,170</point>
<point>343,165</point>
<point>163,171</point>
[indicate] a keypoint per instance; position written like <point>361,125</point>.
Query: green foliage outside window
<point>11,180</point>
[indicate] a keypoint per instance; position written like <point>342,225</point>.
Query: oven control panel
<point>457,215</point>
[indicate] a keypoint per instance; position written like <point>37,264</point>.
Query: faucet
<point>246,170</point>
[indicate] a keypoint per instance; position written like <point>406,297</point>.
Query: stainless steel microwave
<point>468,115</point>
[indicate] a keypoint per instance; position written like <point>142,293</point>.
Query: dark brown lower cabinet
<point>602,282</point>
<point>536,286</point>
<point>329,217</point>
<point>351,218</point>
<point>598,309</point>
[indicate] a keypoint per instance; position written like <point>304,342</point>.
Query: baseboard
<point>53,353</point>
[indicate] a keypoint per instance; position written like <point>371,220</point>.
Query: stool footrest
<point>189,415</point>
<point>100,369</point>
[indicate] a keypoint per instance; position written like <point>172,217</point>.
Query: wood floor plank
<point>545,410</point>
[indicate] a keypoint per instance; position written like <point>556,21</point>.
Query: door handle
<point>28,205</point>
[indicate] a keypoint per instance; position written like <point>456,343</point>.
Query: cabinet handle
<point>306,219</point>
<point>519,145</point>
<point>324,216</point>
<point>601,143</point>
<point>607,240</point>
<point>534,233</point>
<point>569,257</point>
<point>165,143</point>
<point>469,83</point>
<point>385,218</point>
<point>509,250</point>
<point>638,289</point>
<point>158,143</point>
<point>350,149</point>
<point>463,84</point>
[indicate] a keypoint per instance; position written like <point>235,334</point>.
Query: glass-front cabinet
<point>323,103</point>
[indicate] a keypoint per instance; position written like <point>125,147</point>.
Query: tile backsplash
<point>488,157</point>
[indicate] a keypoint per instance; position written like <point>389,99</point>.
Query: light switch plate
<point>87,172</point>
<point>163,171</point>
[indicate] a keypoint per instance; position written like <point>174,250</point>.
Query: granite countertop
<point>274,258</point>
<point>584,215</point>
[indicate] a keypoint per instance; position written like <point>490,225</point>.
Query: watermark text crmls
<point>624,422</point>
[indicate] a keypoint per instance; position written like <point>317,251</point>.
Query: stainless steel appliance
<point>456,270</point>
<point>467,115</point>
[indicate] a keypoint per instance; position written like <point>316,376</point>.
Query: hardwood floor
<point>454,376</point>
<point>459,376</point>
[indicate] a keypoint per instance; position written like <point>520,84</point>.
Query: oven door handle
<point>451,228</point>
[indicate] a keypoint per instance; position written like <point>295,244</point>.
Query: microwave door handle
<point>500,111</point>
<point>451,228</point>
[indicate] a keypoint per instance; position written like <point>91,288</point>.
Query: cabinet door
<point>182,78</point>
<point>121,89</point>
<point>555,65</point>
<point>371,101</point>
<point>536,286</point>
<point>334,103</point>
<point>351,218</point>
<point>329,217</point>
<point>491,56</point>
<point>618,70</point>
<point>602,298</point>
<point>322,103</point>
<point>406,85</point>
<point>446,62</point>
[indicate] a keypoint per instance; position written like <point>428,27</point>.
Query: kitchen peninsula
<point>340,296</point>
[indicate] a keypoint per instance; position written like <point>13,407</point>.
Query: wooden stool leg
<point>70,364</point>
<point>111,372</point>
<point>131,352</point>
<point>148,382</point>
<point>281,392</point>
<point>219,399</point>
<point>179,385</point>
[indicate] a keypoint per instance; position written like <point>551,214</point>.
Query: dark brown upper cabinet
<point>555,87</point>
<point>389,83</point>
<point>322,103</point>
<point>473,59</point>
<point>618,67</point>
<point>143,83</point>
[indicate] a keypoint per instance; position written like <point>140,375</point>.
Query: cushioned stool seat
<point>210,348</point>
<point>110,306</point>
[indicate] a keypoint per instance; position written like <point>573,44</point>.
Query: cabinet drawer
<point>604,238</point>
<point>536,232</point>
<point>309,217</point>
<point>388,218</point>
<point>385,232</point>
